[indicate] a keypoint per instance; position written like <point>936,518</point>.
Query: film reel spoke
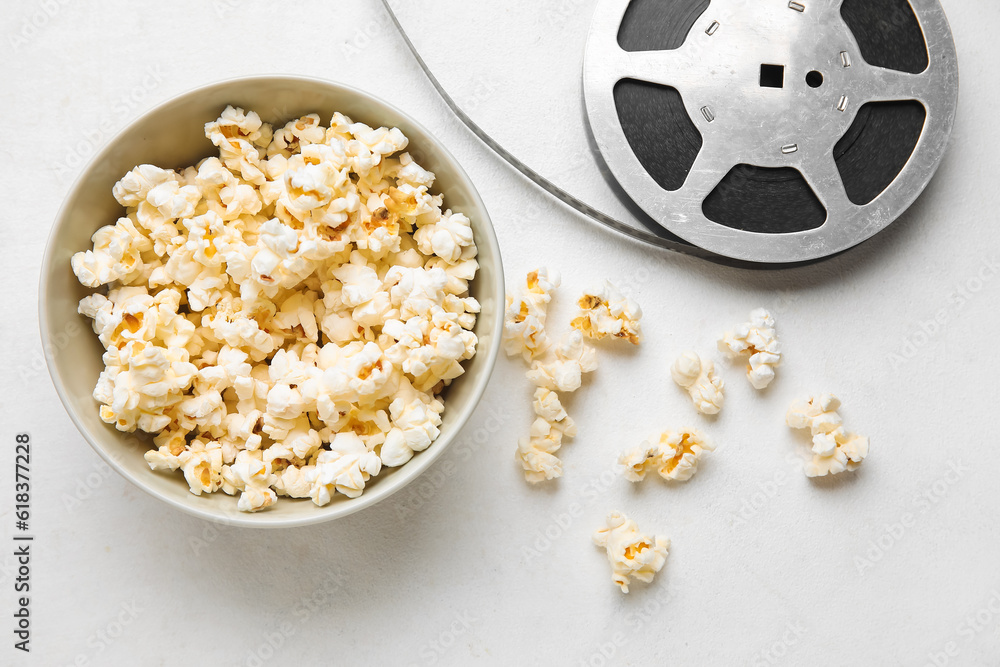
<point>677,68</point>
<point>823,176</point>
<point>712,163</point>
<point>889,85</point>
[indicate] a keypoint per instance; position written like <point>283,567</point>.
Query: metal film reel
<point>769,130</point>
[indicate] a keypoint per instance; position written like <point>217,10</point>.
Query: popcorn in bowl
<point>283,317</point>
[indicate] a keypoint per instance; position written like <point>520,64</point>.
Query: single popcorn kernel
<point>607,312</point>
<point>632,554</point>
<point>698,376</point>
<point>564,368</point>
<point>834,450</point>
<point>524,317</point>
<point>758,341</point>
<point>283,317</point>
<point>675,456</point>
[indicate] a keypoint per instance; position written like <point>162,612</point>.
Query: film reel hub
<point>769,131</point>
<point>771,81</point>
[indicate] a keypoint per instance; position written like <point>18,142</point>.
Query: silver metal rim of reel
<point>741,122</point>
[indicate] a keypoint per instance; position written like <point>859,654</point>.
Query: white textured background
<point>471,565</point>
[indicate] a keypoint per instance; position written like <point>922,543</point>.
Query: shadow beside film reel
<point>771,131</point>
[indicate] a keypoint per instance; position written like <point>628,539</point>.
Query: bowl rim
<point>408,471</point>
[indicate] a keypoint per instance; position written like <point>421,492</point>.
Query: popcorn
<point>674,456</point>
<point>293,482</point>
<point>202,466</point>
<point>548,407</point>
<point>698,376</point>
<point>757,340</point>
<point>834,450</point>
<point>572,358</point>
<point>253,476</point>
<point>536,453</point>
<point>524,317</point>
<point>356,373</point>
<point>633,555</point>
<point>449,238</point>
<point>134,187</point>
<point>117,255</point>
<point>235,134</point>
<point>606,312</point>
<point>345,467</point>
<point>297,133</point>
<point>415,426</point>
<point>553,369</point>
<point>283,316</point>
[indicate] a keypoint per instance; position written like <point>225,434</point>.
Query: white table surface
<point>767,567</point>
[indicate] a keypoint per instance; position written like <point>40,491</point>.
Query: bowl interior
<point>172,136</point>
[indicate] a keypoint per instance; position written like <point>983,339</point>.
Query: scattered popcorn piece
<point>698,376</point>
<point>548,406</point>
<point>674,456</point>
<point>639,460</point>
<point>607,312</point>
<point>536,453</point>
<point>561,370</point>
<point>564,371</point>
<point>834,450</point>
<point>632,554</point>
<point>679,454</point>
<point>284,316</point>
<point>757,340</point>
<point>524,317</point>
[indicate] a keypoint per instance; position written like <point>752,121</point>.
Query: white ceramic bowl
<point>172,136</point>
